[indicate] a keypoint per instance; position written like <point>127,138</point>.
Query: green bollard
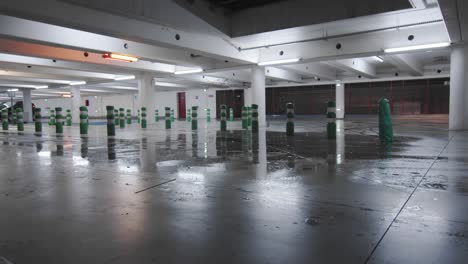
<point>172,115</point>
<point>116,117</point>
<point>37,119</point>
<point>156,115</point>
<point>138,116</point>
<point>249,116</point>
<point>122,117</point>
<point>245,118</point>
<point>290,122</point>
<point>189,115</point>
<point>385,121</point>
<point>20,120</point>
<point>110,121</point>
<point>167,117</point>
<point>143,117</point>
<point>254,118</point>
<point>223,118</point>
<point>83,120</point>
<point>331,116</point>
<point>231,114</point>
<point>51,117</point>
<point>5,119</point>
<point>58,120</point>
<point>208,115</point>
<point>69,117</point>
<point>129,117</point>
<point>194,117</point>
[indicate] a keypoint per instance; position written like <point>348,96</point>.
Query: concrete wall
<point>97,104</point>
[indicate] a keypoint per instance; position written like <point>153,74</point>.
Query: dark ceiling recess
<point>239,5</point>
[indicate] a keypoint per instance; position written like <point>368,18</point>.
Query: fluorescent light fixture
<point>378,58</point>
<point>188,71</point>
<point>41,86</point>
<point>12,90</point>
<point>166,84</point>
<point>264,63</point>
<point>418,47</point>
<point>119,57</point>
<point>66,95</point>
<point>124,78</point>
<point>77,83</point>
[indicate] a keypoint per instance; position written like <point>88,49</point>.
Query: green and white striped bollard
<point>83,120</point>
<point>58,120</point>
<point>156,115</point>
<point>122,117</point>
<point>231,114</point>
<point>208,115</point>
<point>20,120</point>
<point>289,118</point>
<point>245,118</point>
<point>116,117</point>
<point>254,118</point>
<point>172,115</point>
<point>110,121</point>
<point>194,117</point>
<point>129,117</point>
<point>223,118</point>
<point>52,117</point>
<point>167,117</point>
<point>189,115</point>
<point>249,116</point>
<point>5,119</point>
<point>69,117</point>
<point>37,120</point>
<point>385,121</point>
<point>138,116</point>
<point>143,117</point>
<point>331,116</point>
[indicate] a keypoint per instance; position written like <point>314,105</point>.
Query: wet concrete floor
<point>177,196</point>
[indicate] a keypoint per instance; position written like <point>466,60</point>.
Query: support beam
<point>146,94</point>
<point>27,105</point>
<point>282,75</point>
<point>340,100</point>
<point>258,93</point>
<point>458,112</point>
<point>455,16</point>
<point>75,103</point>
<point>313,70</point>
<point>406,63</point>
<point>357,66</point>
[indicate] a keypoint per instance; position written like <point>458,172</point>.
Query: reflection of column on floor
<point>195,143</point>
<point>84,147</point>
<point>261,167</point>
<point>221,144</point>
<point>111,149</point>
<point>340,142</point>
<point>38,147</point>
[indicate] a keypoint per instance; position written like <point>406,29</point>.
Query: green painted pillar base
<point>385,121</point>
<point>58,120</point>
<point>83,120</point>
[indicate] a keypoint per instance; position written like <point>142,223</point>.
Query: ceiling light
<point>188,71</point>
<point>378,58</point>
<point>77,83</point>
<point>166,84</point>
<point>278,62</point>
<point>66,95</point>
<point>124,78</point>
<point>119,57</point>
<point>418,47</point>
<point>12,90</point>
<point>41,86</point>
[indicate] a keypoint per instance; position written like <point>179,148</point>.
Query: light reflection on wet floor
<point>159,196</point>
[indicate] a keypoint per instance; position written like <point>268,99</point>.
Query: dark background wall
<point>429,96</point>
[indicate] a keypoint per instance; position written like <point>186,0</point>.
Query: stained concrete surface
<point>177,196</point>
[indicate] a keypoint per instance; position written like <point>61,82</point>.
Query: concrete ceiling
<point>55,42</point>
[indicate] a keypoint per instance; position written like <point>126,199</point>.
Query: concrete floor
<point>158,196</point>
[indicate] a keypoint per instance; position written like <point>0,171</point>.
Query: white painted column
<point>147,96</point>
<point>75,103</point>
<point>458,115</point>
<point>248,96</point>
<point>258,93</point>
<point>27,106</point>
<point>340,100</point>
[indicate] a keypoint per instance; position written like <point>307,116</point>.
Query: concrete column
<point>146,95</point>
<point>75,103</point>
<point>27,106</point>
<point>258,93</point>
<point>248,96</point>
<point>340,100</point>
<point>458,115</point>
